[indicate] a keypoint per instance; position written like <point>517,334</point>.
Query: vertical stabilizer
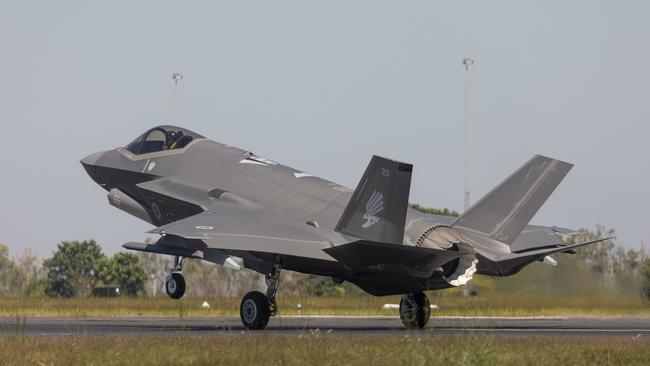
<point>504,212</point>
<point>377,209</point>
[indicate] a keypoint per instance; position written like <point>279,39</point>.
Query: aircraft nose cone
<point>91,159</point>
<point>90,165</point>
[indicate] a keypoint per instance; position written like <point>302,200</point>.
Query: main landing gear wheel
<point>255,310</point>
<point>175,285</point>
<point>414,310</point>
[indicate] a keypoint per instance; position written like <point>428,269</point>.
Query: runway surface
<point>377,326</point>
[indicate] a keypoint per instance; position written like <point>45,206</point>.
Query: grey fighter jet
<point>230,206</point>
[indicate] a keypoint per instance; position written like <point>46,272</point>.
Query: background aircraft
<point>229,206</point>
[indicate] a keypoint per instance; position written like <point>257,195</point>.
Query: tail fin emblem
<point>374,206</point>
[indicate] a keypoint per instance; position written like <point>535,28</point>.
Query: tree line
<point>75,269</point>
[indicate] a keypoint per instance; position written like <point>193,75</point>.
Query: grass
<point>322,349</point>
<point>485,305</point>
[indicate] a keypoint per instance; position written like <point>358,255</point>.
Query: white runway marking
<point>433,317</point>
<point>545,330</point>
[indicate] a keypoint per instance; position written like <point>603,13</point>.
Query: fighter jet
<point>229,206</point>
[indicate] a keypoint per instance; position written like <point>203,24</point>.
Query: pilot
<point>171,138</point>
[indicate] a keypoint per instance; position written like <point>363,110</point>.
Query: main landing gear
<point>175,283</point>
<point>414,310</point>
<point>257,308</point>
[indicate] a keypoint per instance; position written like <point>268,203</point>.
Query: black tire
<point>175,285</point>
<point>414,310</point>
<point>255,310</point>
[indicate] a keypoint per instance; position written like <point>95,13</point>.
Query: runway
<point>341,326</point>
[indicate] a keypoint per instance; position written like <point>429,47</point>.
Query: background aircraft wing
<point>261,230</point>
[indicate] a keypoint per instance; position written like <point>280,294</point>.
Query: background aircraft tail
<point>377,209</point>
<point>504,212</point>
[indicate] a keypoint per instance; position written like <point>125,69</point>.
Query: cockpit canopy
<point>162,138</point>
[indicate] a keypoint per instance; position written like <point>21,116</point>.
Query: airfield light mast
<point>467,62</point>
<point>177,76</point>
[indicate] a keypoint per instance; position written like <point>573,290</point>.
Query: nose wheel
<point>414,310</point>
<point>175,282</point>
<point>175,285</point>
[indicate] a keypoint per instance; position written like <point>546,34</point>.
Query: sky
<point>322,86</point>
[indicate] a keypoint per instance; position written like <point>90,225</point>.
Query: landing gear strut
<point>257,308</point>
<point>414,310</point>
<point>175,283</point>
<point>272,283</point>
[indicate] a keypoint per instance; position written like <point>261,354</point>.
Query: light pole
<point>177,76</point>
<point>467,62</point>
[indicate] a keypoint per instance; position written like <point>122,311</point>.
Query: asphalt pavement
<point>376,326</point>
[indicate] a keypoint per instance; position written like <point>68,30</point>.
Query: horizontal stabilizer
<point>538,237</point>
<point>513,263</point>
<point>565,248</point>
<point>418,261</point>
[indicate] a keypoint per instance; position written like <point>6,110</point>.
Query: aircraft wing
<point>229,228</point>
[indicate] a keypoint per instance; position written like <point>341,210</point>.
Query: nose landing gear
<point>175,282</point>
